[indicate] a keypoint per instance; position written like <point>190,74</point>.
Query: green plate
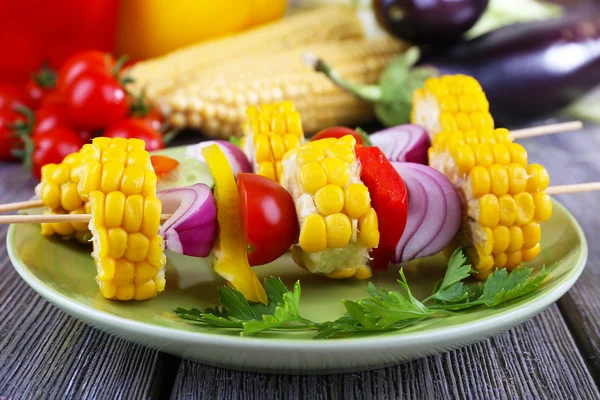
<point>64,274</point>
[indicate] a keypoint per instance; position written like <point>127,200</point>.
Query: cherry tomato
<point>52,146</point>
<point>12,96</point>
<point>338,132</point>
<point>96,100</point>
<point>86,135</point>
<point>39,84</point>
<point>8,139</point>
<point>53,98</point>
<point>50,117</point>
<point>76,65</point>
<point>269,218</point>
<point>34,91</point>
<point>154,118</point>
<point>134,128</point>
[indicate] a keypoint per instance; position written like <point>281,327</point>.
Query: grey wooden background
<point>46,354</point>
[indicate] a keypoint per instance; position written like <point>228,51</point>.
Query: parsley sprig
<point>382,311</point>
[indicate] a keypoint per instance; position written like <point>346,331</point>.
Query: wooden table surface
<point>45,353</point>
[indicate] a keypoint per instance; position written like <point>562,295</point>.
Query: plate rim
<point>480,327</point>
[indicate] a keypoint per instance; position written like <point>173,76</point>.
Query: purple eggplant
<point>428,21</point>
<point>532,69</point>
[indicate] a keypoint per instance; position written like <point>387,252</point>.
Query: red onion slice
<point>403,143</point>
<point>192,227</point>
<point>236,157</point>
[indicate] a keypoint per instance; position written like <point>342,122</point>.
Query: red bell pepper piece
<point>362,138</point>
<point>389,198</point>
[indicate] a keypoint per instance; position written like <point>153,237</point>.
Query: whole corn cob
<point>118,180</point>
<point>58,191</point>
<point>338,227</point>
<point>166,73</point>
<point>270,131</point>
<point>451,103</point>
<point>215,100</point>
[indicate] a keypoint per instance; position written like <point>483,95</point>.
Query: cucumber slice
<point>189,172</point>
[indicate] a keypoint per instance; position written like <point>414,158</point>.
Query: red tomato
<point>50,117</point>
<point>135,128</point>
<point>53,98</point>
<point>154,118</point>
<point>8,140</point>
<point>52,146</point>
<point>87,136</point>
<point>75,66</point>
<point>338,132</point>
<point>269,218</point>
<point>12,96</point>
<point>34,91</point>
<point>40,83</point>
<point>96,100</point>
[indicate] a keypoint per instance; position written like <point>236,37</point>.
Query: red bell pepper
<point>389,198</point>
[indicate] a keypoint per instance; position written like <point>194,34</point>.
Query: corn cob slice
<point>451,103</point>
<point>503,197</point>
<point>215,100</point>
<point>58,192</point>
<point>270,131</point>
<point>338,227</point>
<point>118,180</point>
<point>163,74</point>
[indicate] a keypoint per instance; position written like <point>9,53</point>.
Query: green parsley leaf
<point>458,270</point>
<point>235,303</point>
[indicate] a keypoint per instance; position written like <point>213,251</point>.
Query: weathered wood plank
<point>537,360</point>
<point>44,353</point>
<point>575,158</point>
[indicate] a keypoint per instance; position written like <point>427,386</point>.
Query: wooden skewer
<point>49,218</point>
<point>21,205</point>
<point>576,188</point>
<point>547,130</point>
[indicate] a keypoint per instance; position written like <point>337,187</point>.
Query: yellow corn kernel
<point>133,214</point>
<point>513,260</point>
<point>501,154</point>
<point>51,195</point>
<point>342,273</point>
<point>480,181</point>
<point>139,157</point>
<point>137,247</point>
<point>447,122</point>
<point>150,180</point>
<point>97,208</point>
<point>108,290</point>
<point>294,124</point>
<point>343,152</point>
<point>503,136</point>
<point>117,240</point>
<point>484,107</point>
<point>312,177</point>
<point>69,197</point>
<point>467,103</point>
<point>487,137</point>
<point>347,140</point>
<point>135,144</point>
<point>516,239</point>
<point>290,141</point>
<point>106,269</point>
<point>525,208</point>
<point>90,180</point>
<point>278,170</point>
<point>489,211</point>
<point>277,147</point>
<point>160,282</point>
<point>329,199</point>
<point>263,148</point>
<point>464,157</point>
<point>278,125</point>
<point>500,260</point>
<point>152,212</point>
<point>47,230</point>
<point>63,228</point>
<point>484,265</point>
<point>79,226</point>
<point>517,178</point>
<point>363,272</point>
<point>119,143</point>
<point>532,233</point>
<point>501,239</point>
<point>146,290</point>
<point>336,170</point>
<point>101,243</point>
<point>543,206</point>
<point>339,230</point>
<point>518,154</point>
<point>487,245</point>
<point>321,143</point>
<point>125,292</point>
<point>479,120</point>
<point>132,181</point>
<point>531,254</point>
<point>448,104</point>
<point>115,155</point>
<point>114,209</point>
<point>499,180</point>
<point>368,229</point>
<point>124,272</point>
<point>463,121</point>
<point>156,255</point>
<point>508,210</point>
<point>483,155</point>
<point>111,176</point>
<point>313,234</point>
<point>144,271</point>
<point>538,178</point>
<point>308,155</point>
<point>264,127</point>
<point>47,171</point>
<point>266,169</point>
<point>60,174</point>
<point>358,200</point>
<point>454,139</point>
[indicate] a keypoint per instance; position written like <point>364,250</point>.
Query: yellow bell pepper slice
<point>230,248</point>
